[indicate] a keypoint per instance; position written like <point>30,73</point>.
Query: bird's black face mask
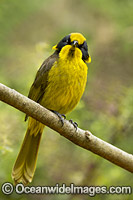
<point>67,41</point>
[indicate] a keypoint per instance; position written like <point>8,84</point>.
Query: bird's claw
<point>60,116</point>
<point>75,124</point>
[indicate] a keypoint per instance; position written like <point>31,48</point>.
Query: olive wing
<point>37,89</point>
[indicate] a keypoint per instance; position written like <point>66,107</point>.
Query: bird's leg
<point>75,124</point>
<point>61,116</point>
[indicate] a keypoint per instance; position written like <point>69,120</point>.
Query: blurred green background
<point>28,29</point>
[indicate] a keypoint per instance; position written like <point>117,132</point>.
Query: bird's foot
<point>61,116</point>
<point>75,124</point>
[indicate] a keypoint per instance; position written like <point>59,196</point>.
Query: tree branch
<point>82,138</point>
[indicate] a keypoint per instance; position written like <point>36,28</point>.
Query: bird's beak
<point>74,43</point>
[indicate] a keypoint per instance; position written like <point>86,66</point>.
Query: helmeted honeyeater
<point>58,86</point>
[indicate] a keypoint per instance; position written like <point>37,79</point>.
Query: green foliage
<point>28,29</point>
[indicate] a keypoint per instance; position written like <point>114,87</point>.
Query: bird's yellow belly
<point>66,84</point>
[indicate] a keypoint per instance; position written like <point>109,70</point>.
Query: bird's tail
<point>25,165</point>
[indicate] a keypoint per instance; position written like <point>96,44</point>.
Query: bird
<point>58,86</point>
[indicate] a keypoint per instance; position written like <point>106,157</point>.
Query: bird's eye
<point>84,49</point>
<point>67,39</point>
<point>63,42</point>
<point>83,46</point>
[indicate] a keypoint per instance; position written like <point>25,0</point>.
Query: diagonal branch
<point>82,138</point>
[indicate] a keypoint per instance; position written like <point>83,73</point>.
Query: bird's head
<point>74,42</point>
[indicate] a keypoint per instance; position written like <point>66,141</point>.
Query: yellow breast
<point>66,82</point>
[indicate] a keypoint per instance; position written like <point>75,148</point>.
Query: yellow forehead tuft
<point>77,36</point>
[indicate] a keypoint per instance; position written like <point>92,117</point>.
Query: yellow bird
<point>58,86</point>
